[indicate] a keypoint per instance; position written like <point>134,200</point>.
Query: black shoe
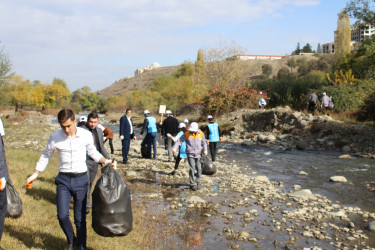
<point>69,246</point>
<point>173,172</point>
<point>193,188</point>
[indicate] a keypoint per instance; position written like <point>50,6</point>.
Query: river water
<point>285,166</point>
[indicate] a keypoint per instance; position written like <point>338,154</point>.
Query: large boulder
<point>305,194</point>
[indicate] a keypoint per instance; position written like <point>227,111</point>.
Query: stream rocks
<point>338,179</point>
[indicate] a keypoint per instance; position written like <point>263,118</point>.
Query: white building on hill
<point>258,57</point>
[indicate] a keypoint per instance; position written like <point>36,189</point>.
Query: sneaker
<point>199,187</point>
<point>193,188</point>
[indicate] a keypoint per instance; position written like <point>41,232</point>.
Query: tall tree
<point>319,49</point>
<point>5,67</point>
<point>343,35</point>
<point>292,64</point>
<point>298,49</point>
<point>363,10</point>
<point>307,48</point>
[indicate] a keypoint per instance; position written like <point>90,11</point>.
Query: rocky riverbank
<point>285,129</point>
<point>235,209</point>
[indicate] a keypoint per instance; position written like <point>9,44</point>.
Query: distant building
<point>155,65</point>
<point>258,57</point>
<point>358,35</point>
<point>328,48</point>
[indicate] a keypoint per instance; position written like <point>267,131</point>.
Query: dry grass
<point>38,227</point>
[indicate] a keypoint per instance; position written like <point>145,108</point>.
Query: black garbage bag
<point>144,148</point>
<point>14,202</point>
<point>208,167</point>
<point>111,205</point>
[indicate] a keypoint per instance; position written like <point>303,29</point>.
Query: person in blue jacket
<point>182,150</point>
<point>213,135</point>
<point>150,127</point>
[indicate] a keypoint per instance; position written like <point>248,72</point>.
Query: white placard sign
<point>162,109</point>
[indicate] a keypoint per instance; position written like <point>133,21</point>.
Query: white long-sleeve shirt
<point>71,151</point>
<point>2,132</point>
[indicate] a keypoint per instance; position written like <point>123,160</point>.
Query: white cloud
<point>74,32</point>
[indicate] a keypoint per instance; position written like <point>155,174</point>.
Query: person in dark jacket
<point>126,134</point>
<point>107,136</point>
<point>92,165</point>
<point>150,127</point>
<point>4,178</point>
<point>170,126</point>
<point>313,102</point>
<point>213,136</point>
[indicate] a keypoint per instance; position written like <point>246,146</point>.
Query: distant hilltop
<point>144,77</point>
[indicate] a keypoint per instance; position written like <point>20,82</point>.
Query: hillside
<point>140,81</point>
<point>143,80</point>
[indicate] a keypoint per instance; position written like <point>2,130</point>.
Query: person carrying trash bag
<point>111,205</point>
<point>72,144</point>
<point>213,135</point>
<point>4,178</point>
<point>195,142</point>
<point>182,149</point>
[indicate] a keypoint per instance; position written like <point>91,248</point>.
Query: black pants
<point>213,150</point>
<point>92,169</point>
<point>3,210</point>
<point>110,144</point>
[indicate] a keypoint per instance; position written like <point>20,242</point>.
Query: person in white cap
<point>195,142</point>
<point>186,121</point>
<point>170,126</point>
<point>82,121</point>
<point>150,127</point>
<point>213,135</point>
<point>325,103</point>
<point>262,102</point>
<point>182,148</point>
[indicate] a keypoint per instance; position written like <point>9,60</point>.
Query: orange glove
<point>134,138</point>
<point>161,137</point>
<point>220,139</point>
<point>30,180</point>
<point>140,137</point>
<point>3,183</point>
<point>208,142</point>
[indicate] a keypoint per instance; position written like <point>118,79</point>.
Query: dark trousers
<point>76,187</point>
<point>110,144</point>
<point>151,139</point>
<point>3,209</point>
<point>125,150</point>
<point>92,169</point>
<point>213,150</point>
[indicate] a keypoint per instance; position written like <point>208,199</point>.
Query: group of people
<point>327,102</point>
<point>80,148</point>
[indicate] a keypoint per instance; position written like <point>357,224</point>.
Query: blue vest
<point>214,132</point>
<point>151,124</point>
<point>182,146</point>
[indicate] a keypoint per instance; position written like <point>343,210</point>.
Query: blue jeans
<point>76,187</point>
<point>195,164</point>
<point>151,139</point>
<point>125,150</point>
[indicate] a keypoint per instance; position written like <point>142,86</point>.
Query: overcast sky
<point>95,43</point>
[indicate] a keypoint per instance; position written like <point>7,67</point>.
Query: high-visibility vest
<point>151,124</point>
<point>214,132</point>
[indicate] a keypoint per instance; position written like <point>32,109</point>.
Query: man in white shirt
<point>72,144</point>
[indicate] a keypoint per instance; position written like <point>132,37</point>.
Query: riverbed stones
<point>345,156</point>
<point>195,199</point>
<point>303,173</point>
<point>337,178</point>
<point>371,225</point>
<point>270,138</point>
<point>130,173</point>
<point>304,194</point>
<point>262,178</point>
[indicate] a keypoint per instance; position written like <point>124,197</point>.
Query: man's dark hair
<point>92,115</point>
<point>65,114</point>
<point>128,110</point>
